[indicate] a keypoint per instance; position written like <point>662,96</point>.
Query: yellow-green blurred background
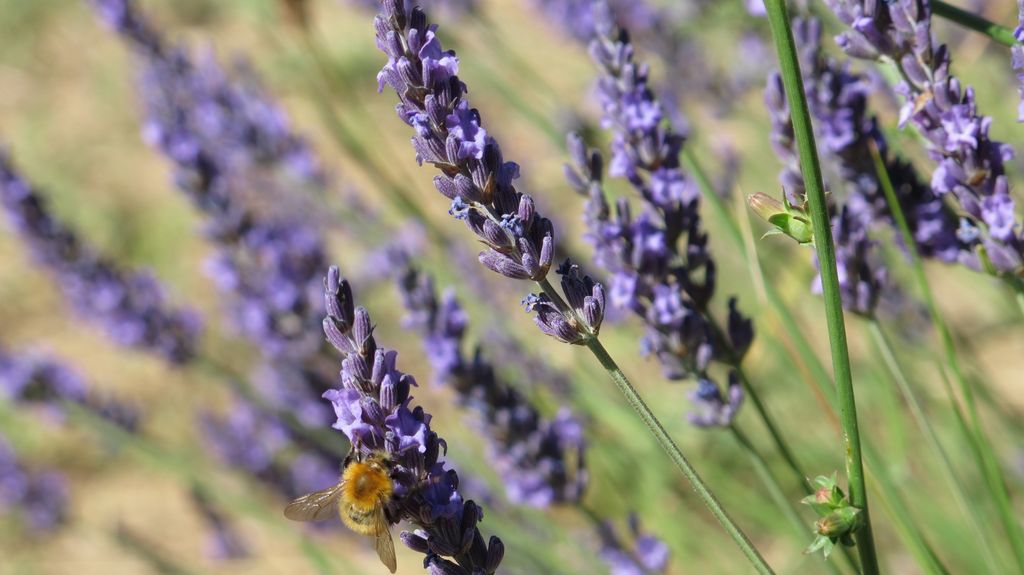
<point>70,116</point>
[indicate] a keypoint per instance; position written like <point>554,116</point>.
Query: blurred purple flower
<point>38,498</point>
<point>648,555</point>
<point>128,304</point>
<point>30,377</point>
<point>234,154</point>
<point>540,461</point>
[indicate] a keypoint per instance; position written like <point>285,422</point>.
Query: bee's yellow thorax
<point>365,485</point>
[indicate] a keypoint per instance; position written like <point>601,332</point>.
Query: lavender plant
<point>375,411</point>
<point>645,554</point>
<point>29,377</point>
<point>970,165</point>
<point>541,461</point>
<point>225,139</point>
<point>660,265</point>
<point>38,499</point>
<point>838,100</point>
<point>971,169</point>
<point>129,305</point>
<point>520,243</point>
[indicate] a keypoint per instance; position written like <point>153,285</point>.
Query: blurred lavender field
<point>177,177</point>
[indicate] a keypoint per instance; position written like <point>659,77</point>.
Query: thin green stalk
<point>1000,34</point>
<point>793,83</point>
<point>776,492</point>
<point>820,381</point>
<point>899,513</point>
<point>989,463</point>
<point>921,418</point>
<point>773,431</point>
<point>670,447</point>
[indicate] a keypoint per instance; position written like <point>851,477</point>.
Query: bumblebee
<point>360,497</point>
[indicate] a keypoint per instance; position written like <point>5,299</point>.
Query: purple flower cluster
<point>647,555</point>
<point>252,437</point>
<point>375,411</point>
<point>234,155</point>
<point>130,305</point>
<point>659,261</point>
<point>660,30</point>
<point>38,498</point>
<point>541,461</point>
<point>29,377</point>
<point>837,100</point>
<point>474,176</point>
<point>970,164</point>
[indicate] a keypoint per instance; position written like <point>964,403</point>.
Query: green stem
<point>774,431</point>
<point>921,418</point>
<point>793,82</point>
<point>675,454</point>
<point>1000,34</point>
<point>902,519</point>
<point>989,463</point>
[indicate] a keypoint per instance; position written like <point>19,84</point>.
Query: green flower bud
<point>786,219</point>
<point>839,523</point>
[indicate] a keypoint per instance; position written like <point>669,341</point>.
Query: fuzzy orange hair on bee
<point>359,498</point>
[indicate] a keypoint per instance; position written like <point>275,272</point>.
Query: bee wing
<point>384,544</point>
<point>315,506</point>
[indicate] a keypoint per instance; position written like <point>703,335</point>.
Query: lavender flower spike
<point>29,377</point>
<point>38,498</point>
<point>970,165</point>
<point>128,304</point>
<point>660,265</point>
<point>375,411</point>
<point>541,461</point>
<point>474,175</point>
<point>226,138</point>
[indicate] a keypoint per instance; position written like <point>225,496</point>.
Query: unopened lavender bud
<point>839,523</point>
<point>787,220</point>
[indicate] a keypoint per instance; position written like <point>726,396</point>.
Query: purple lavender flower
<point>970,166</point>
<point>375,411</point>
<point>128,304</point>
<point>32,378</point>
<point>648,555</point>
<point>712,408</point>
<point>837,99</point>
<point>29,377</point>
<point>541,461</point>
<point>659,261</point>
<point>474,176</point>
<point>226,139</point>
<point>38,498</point>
